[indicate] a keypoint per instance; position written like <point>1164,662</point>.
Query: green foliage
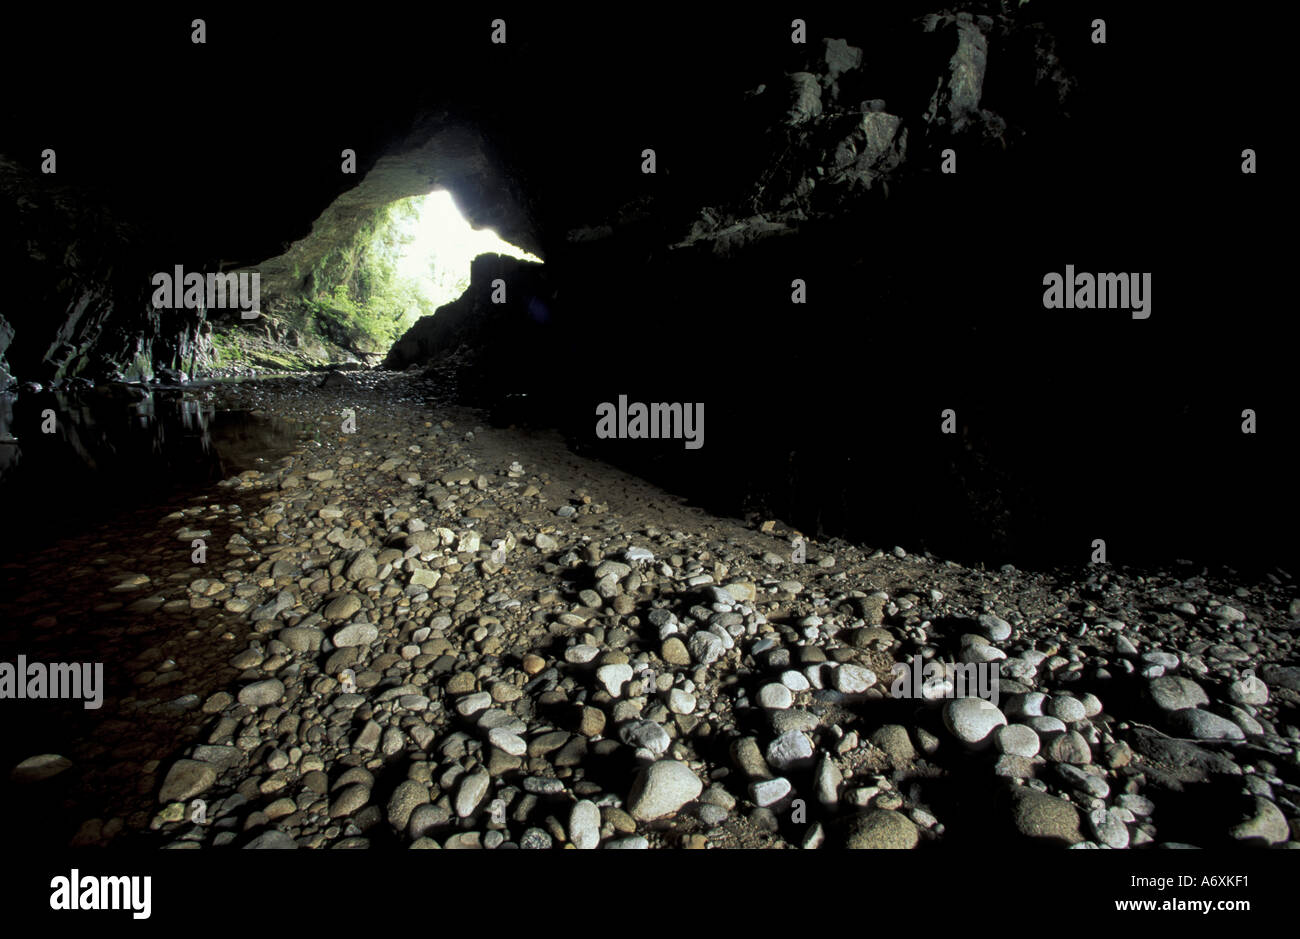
<point>357,295</point>
<point>227,350</point>
<point>360,300</point>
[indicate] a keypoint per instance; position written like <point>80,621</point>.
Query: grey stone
<point>1009,766</point>
<point>995,627</point>
<point>827,779</point>
<point>1162,659</point>
<point>793,719</point>
<point>1029,704</point>
<point>972,720</point>
<point>1046,726</point>
<point>584,824</point>
<point>1107,826</point>
<point>185,779</point>
<point>791,750</point>
<point>805,103</point>
<point>301,638</point>
<point>38,768</point>
<point>767,792</point>
<point>405,798</point>
<point>363,565</point>
<point>1083,781</point>
<point>775,696</point>
<point>1203,725</point>
<point>613,677</point>
<point>894,741</point>
<point>350,800</point>
<point>882,829</point>
<point>1017,740</point>
<point>631,842</point>
<point>509,742</point>
<point>535,839</point>
<point>661,789</point>
<point>853,679</point>
<point>473,788</point>
<point>355,634</point>
<point>343,608</point>
<point>1285,676</point>
<point>1248,690</point>
<point>712,814</point>
<point>220,756</point>
<point>262,693</point>
<point>1172,693</point>
<point>425,818</point>
<point>747,755</point>
<point>1069,747</point>
<point>1066,708</point>
<point>647,734</point>
<point>1039,815</point>
<point>474,703</point>
<point>705,647</point>
<point>1266,824</point>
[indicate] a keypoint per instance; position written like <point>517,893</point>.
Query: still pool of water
<point>70,460</point>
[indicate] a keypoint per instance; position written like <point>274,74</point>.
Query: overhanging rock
<point>440,153</point>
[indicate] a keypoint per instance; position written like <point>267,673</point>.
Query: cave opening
<point>437,247</point>
<point>363,276</point>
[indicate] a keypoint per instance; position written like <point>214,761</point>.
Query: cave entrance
<point>437,246</point>
<point>413,258</point>
<point>356,284</point>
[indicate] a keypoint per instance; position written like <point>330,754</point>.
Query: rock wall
<point>923,293</point>
<point>78,297</point>
<point>494,345</point>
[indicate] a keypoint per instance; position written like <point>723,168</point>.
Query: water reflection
<point>68,459</point>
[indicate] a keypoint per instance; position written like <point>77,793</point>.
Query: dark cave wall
<point>680,290</point>
<point>495,345</point>
<point>924,290</point>
<point>77,300</point>
<point>1069,430</point>
<point>925,293</point>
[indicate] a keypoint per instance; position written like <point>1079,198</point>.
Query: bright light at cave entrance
<point>440,244</point>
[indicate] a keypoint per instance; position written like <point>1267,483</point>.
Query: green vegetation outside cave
<point>352,301</point>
